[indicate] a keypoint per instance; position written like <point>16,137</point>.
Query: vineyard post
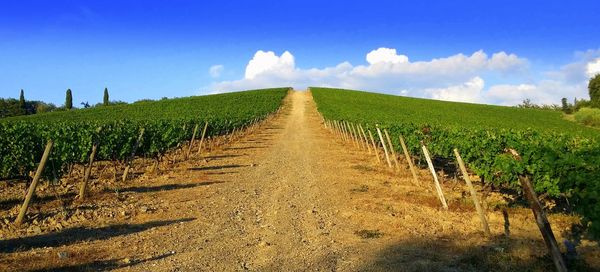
<point>374,147</point>
<point>336,128</point>
<point>387,136</point>
<point>132,155</point>
<point>438,188</point>
<point>341,132</point>
<point>88,171</point>
<point>366,139</point>
<point>346,134</point>
<point>192,141</point>
<point>409,160</point>
<point>202,137</point>
<point>387,157</point>
<point>463,169</point>
<point>354,136</point>
<point>361,141</point>
<point>543,224</point>
<point>541,219</point>
<point>33,185</point>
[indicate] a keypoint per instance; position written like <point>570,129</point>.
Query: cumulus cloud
<point>593,68</point>
<point>386,71</point>
<point>267,62</point>
<point>385,55</point>
<point>470,91</point>
<point>459,77</point>
<point>216,70</point>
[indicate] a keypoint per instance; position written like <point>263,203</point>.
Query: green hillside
<point>364,106</point>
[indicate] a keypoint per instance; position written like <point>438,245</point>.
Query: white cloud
<point>267,62</point>
<point>386,71</point>
<point>470,91</point>
<point>385,55</point>
<point>593,68</point>
<point>543,92</point>
<point>216,70</point>
<point>457,77</point>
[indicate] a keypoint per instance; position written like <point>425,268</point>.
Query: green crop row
<point>562,158</point>
<point>116,128</point>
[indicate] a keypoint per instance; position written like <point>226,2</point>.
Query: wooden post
<point>88,171</point>
<point>33,185</point>
<point>361,141</point>
<point>354,135</point>
<point>132,156</point>
<point>438,188</point>
<point>387,136</point>
<point>409,160</point>
<point>374,147</point>
<point>192,141</point>
<point>540,218</point>
<point>366,139</point>
<point>202,137</point>
<point>543,224</point>
<point>463,169</point>
<point>345,130</point>
<point>387,157</point>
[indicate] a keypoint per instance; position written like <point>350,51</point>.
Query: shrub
<point>588,117</point>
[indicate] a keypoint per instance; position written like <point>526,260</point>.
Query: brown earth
<point>288,196</point>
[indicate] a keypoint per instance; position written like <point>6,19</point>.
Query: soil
<point>287,195</point>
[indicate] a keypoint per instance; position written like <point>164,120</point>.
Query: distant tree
<point>22,105</point>
<point>106,100</point>
<point>69,100</point>
<point>566,108</point>
<point>594,88</point>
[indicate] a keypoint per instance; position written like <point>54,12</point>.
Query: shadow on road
<point>74,235</point>
<point>448,254</point>
<point>166,187</point>
<point>217,167</point>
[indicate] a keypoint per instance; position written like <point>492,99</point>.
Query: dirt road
<point>290,197</point>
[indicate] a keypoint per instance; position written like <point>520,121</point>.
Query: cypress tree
<point>106,99</point>
<point>22,106</point>
<point>69,100</point>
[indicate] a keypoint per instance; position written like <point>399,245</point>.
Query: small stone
<point>126,261</point>
<point>63,255</point>
<point>144,209</point>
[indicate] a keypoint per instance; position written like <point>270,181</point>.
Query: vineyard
<point>146,129</point>
<point>560,157</point>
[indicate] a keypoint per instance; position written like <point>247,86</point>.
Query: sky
<point>498,52</point>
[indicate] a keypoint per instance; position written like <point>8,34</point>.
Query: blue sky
<point>151,49</point>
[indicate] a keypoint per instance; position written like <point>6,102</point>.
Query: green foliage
<point>594,89</point>
<point>69,100</point>
<point>561,156</point>
<point>588,117</point>
<point>105,100</point>
<point>166,124</point>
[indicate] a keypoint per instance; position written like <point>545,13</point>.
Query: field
<point>116,129</point>
<point>288,192</point>
<point>560,156</point>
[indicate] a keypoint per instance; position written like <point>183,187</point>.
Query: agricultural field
<point>561,157</point>
<point>117,129</point>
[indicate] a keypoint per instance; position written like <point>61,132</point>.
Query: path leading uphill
<point>289,197</point>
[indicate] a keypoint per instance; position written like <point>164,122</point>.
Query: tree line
<point>12,107</point>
